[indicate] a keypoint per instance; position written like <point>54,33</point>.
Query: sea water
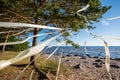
<point>92,51</point>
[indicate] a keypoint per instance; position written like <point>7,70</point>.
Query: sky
<point>103,28</point>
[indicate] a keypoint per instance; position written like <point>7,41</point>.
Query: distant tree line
<point>18,47</point>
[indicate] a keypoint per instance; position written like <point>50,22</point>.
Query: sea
<point>91,51</point>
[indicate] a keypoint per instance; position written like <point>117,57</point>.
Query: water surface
<point>92,51</point>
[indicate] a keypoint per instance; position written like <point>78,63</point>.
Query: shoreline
<point>89,68</point>
<point>82,56</point>
<point>90,51</point>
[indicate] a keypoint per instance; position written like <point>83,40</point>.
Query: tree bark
<point>33,44</point>
<point>35,32</point>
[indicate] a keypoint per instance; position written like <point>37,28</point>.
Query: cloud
<point>104,22</point>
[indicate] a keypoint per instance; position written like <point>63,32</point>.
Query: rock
<point>68,55</point>
<point>85,61</point>
<point>57,54</point>
<point>114,66</point>
<point>114,79</point>
<point>98,60</point>
<point>83,57</point>
<point>67,60</point>
<point>88,55</point>
<point>63,56</point>
<point>95,57</point>
<point>97,65</point>
<point>117,59</point>
<point>78,66</point>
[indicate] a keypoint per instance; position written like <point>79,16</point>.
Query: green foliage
<point>59,12</point>
<point>72,43</point>
<point>66,34</point>
<point>18,47</point>
<point>62,13</point>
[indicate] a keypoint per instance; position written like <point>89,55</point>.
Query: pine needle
<point>58,70</point>
<point>18,25</point>
<point>31,75</point>
<point>85,47</point>
<point>111,37</point>
<point>26,68</point>
<point>21,32</point>
<point>107,61</point>
<point>20,42</point>
<point>3,32</point>
<point>58,45</point>
<point>35,59</point>
<point>26,53</point>
<point>52,53</point>
<point>114,18</point>
<point>83,9</point>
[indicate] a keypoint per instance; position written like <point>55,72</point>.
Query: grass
<point>8,55</point>
<point>49,68</point>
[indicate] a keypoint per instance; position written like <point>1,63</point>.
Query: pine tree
<point>58,13</point>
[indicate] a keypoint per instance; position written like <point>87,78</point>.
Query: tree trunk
<point>6,39</point>
<point>33,44</point>
<point>35,31</point>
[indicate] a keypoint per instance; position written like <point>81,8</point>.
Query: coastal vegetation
<point>22,17</point>
<point>48,68</point>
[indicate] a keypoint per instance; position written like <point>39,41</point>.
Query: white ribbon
<point>18,25</point>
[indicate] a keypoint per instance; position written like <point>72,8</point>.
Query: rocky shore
<point>85,68</point>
